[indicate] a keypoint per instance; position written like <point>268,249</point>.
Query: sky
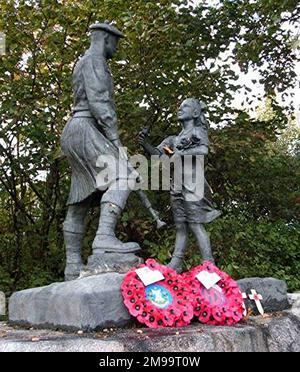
<point>246,79</point>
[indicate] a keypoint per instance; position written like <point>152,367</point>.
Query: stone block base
<point>89,303</point>
<point>280,333</point>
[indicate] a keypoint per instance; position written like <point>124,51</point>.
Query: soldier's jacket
<point>94,93</point>
<point>87,136</point>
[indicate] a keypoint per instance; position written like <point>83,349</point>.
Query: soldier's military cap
<point>106,26</point>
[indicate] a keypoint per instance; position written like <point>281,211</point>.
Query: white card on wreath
<point>149,276</point>
<point>208,279</point>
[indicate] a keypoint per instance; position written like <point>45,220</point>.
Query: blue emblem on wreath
<point>158,295</point>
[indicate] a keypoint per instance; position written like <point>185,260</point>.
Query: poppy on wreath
<point>222,304</point>
<point>165,303</point>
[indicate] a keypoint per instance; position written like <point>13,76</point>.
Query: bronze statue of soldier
<point>92,131</point>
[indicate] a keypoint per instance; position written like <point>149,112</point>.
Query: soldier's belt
<point>82,114</point>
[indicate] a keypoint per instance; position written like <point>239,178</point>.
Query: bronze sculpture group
<point>92,131</point>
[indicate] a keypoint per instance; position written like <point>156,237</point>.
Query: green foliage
<point>171,51</point>
<point>248,247</point>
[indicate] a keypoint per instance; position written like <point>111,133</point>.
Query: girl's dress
<point>186,205</point>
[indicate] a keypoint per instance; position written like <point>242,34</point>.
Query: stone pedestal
<point>110,262</point>
<point>94,302</point>
<point>90,303</point>
<point>280,333</point>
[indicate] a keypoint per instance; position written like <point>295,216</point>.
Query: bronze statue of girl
<point>189,211</point>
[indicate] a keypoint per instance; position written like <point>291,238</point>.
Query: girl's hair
<point>200,121</point>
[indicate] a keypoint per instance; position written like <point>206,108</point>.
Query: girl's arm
<point>151,150</point>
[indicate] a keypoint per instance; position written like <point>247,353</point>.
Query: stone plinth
<point>271,334</point>
<point>89,303</point>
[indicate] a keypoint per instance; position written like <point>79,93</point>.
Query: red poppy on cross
<point>254,296</point>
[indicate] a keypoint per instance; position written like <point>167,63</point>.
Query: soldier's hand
<point>142,136</point>
<point>121,148</point>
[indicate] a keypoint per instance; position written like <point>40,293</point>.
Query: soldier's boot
<point>106,240</point>
<point>74,227</point>
<point>73,242</point>
<point>180,245</point>
<point>203,241</point>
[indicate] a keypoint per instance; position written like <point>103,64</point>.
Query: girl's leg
<point>203,241</point>
<point>180,245</point>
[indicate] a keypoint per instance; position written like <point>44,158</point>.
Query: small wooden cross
<point>254,296</point>
<point>244,306</point>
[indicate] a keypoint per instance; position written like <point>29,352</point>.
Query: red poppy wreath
<point>162,304</point>
<point>222,303</point>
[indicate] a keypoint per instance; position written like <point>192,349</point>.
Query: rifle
<point>147,204</point>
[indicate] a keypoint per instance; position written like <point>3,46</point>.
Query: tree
<point>171,51</point>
